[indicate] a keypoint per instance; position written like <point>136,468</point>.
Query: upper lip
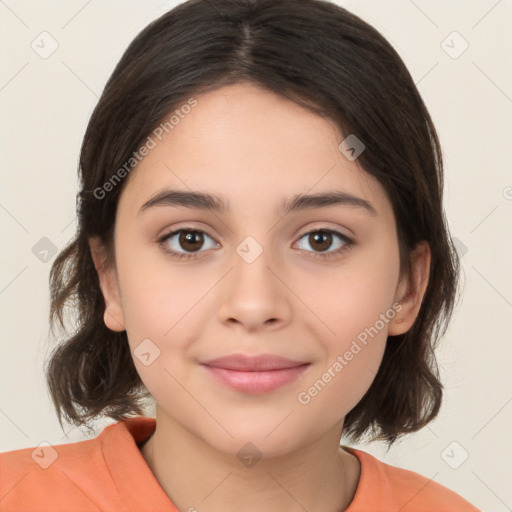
<point>259,363</point>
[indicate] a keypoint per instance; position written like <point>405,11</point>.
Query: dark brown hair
<point>327,60</point>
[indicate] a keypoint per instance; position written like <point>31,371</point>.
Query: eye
<point>189,239</point>
<point>322,239</point>
<point>192,240</point>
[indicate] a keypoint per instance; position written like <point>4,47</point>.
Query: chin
<point>252,444</point>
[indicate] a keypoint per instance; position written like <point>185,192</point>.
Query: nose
<point>255,295</point>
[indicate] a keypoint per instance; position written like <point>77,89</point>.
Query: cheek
<point>355,305</point>
<point>351,356</point>
<point>163,309</point>
<point>158,296</point>
<point>342,383</point>
<point>352,296</point>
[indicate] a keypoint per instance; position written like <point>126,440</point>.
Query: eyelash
<point>348,242</point>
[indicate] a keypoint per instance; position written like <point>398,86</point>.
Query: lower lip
<point>256,382</point>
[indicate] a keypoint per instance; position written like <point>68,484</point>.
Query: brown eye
<point>190,240</point>
<point>188,244</point>
<point>321,240</point>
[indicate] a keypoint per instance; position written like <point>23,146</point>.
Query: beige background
<point>45,106</point>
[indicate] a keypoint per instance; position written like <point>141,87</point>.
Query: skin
<point>254,148</point>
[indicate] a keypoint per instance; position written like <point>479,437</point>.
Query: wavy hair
<point>325,59</point>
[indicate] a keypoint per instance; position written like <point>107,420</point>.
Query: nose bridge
<point>252,294</point>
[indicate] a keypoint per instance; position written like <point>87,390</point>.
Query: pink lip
<point>254,374</point>
<point>263,362</point>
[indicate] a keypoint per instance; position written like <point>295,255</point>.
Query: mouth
<point>254,374</point>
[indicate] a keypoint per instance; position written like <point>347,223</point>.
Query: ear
<point>410,292</point>
<point>109,284</point>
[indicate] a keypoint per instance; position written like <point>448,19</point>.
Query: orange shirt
<point>109,474</point>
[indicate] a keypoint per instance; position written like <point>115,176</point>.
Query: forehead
<point>251,147</point>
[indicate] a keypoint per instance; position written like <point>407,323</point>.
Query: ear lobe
<point>410,292</point>
<point>109,284</point>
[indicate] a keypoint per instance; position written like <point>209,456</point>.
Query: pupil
<point>327,242</point>
<point>191,238</point>
<point>188,238</point>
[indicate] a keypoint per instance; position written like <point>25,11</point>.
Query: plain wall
<point>45,106</point>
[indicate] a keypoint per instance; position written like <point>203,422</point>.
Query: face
<point>317,284</point>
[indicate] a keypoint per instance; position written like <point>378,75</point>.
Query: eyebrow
<point>213,203</point>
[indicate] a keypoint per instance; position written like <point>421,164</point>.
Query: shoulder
<point>56,475</point>
<point>393,488</point>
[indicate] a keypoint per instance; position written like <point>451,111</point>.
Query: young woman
<point>262,250</point>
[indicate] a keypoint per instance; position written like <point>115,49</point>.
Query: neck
<point>195,475</point>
